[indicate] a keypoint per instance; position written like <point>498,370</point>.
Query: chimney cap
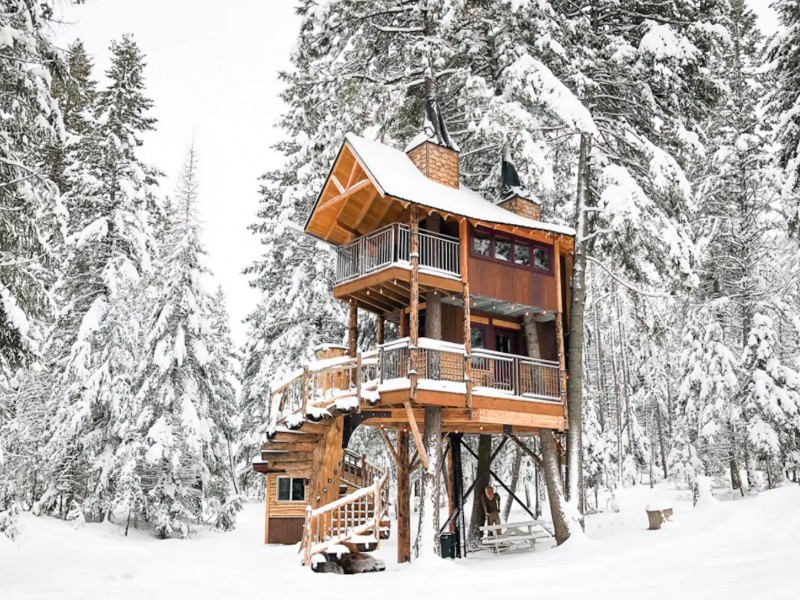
<point>434,129</point>
<point>511,184</point>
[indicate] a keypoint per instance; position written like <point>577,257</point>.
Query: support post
<point>463,227</point>
<point>403,499</point>
<point>381,329</point>
<point>266,509</point>
<point>352,329</point>
<point>414,308</point>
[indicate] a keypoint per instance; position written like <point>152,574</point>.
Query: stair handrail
<point>340,520</point>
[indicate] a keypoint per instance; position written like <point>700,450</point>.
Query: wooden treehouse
<point>479,291</point>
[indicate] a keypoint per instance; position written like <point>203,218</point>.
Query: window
<point>482,244</point>
<point>502,249</point>
<point>519,252</point>
<point>522,254</point>
<point>291,489</point>
<point>541,259</point>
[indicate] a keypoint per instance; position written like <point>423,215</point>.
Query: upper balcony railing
<point>392,245</point>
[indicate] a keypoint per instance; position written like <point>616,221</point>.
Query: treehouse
<point>479,292</point>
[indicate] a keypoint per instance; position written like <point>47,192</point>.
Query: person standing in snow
<point>491,506</point>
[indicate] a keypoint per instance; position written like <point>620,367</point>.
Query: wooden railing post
<point>306,384</point>
<point>309,539</point>
<point>358,377</point>
<point>377,507</point>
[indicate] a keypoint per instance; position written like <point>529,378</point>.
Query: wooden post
<point>403,499</point>
<point>308,541</point>
<point>451,498</point>
<point>266,509</point>
<point>463,227</point>
<point>562,357</point>
<point>414,309</point>
<point>376,505</point>
<point>381,329</point>
<point>562,365</point>
<point>352,329</point>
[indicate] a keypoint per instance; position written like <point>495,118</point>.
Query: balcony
<point>493,373</point>
<point>391,245</point>
<point>506,388</point>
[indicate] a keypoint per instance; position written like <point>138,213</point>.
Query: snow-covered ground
<point>745,548</point>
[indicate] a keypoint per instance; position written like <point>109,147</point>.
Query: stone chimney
<point>433,151</point>
<point>514,196</point>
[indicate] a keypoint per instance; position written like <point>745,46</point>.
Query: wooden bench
<point>499,536</point>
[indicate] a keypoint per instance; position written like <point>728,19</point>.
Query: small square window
<point>502,249</point>
<point>481,244</point>
<point>291,490</point>
<point>522,254</point>
<point>541,259</point>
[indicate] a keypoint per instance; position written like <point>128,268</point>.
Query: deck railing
<point>358,513</point>
<point>517,375</point>
<point>392,245</point>
<point>337,382</point>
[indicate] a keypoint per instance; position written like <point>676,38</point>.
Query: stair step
<point>294,435</point>
<point>289,447</point>
<point>314,427</point>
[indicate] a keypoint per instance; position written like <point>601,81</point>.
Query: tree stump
<point>656,518</point>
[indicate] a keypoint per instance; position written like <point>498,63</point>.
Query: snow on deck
<point>741,549</point>
<point>397,176</point>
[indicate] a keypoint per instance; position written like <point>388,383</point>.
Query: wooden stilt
<point>381,329</point>
<point>352,329</point>
<point>414,308</point>
<point>403,499</point>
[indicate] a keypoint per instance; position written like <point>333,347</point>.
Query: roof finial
<point>510,183</point>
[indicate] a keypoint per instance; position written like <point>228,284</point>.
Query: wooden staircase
<point>348,500</point>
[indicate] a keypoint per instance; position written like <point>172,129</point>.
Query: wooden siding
<point>285,530</point>
<point>452,323</point>
<point>513,284</point>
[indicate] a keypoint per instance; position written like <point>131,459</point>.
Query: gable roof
<point>395,175</point>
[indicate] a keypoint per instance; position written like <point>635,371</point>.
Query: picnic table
<point>501,536</point>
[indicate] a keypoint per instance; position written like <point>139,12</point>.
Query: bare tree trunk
<point>555,487</point>
<point>482,480</point>
<point>661,442</point>
<point>576,327</point>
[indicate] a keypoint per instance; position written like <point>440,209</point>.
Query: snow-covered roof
<point>395,175</point>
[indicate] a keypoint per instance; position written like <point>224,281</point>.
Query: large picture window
<point>510,250</point>
<point>291,489</point>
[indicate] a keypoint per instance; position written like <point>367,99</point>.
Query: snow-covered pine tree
<point>737,226</point>
<point>783,57</point>
<point>175,450</point>
<point>30,211</point>
<point>97,339</point>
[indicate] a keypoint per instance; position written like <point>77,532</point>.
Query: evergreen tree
<point>97,338</point>
<point>772,400</point>
<point>784,58</point>
<point>176,454</point>
<point>30,211</point>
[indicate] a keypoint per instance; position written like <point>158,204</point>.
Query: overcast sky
<point>212,72</point>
